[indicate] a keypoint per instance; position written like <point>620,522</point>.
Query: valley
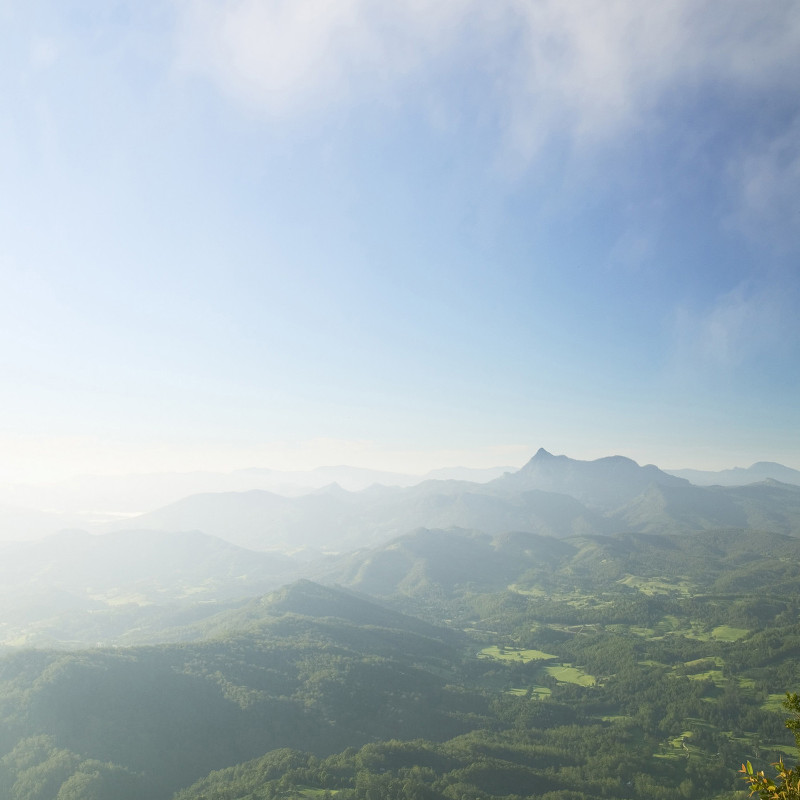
<point>439,663</point>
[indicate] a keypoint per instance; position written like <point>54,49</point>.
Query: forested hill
<point>160,717</point>
<point>128,587</point>
<point>435,563</point>
<point>631,667</point>
<point>326,605</point>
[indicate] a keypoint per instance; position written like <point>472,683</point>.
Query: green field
<point>567,674</point>
<point>725,633</point>
<point>514,654</point>
<point>699,663</point>
<point>668,625</point>
<point>563,673</point>
<point>533,592</point>
<point>658,585</point>
<point>774,702</point>
<point>537,693</point>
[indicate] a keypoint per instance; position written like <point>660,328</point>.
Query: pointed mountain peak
<point>605,483</point>
<point>543,460</point>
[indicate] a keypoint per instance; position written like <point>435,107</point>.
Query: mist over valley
<point>378,385</point>
<point>333,639</point>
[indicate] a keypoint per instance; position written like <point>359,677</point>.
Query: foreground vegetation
<point>786,785</point>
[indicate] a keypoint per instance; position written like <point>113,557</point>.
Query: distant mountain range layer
<point>551,495</point>
<point>763,470</point>
<point>96,495</point>
<point>101,502</point>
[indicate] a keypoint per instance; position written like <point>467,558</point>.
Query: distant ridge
<point>765,506</point>
<point>739,476</point>
<point>334,520</point>
<point>474,474</point>
<point>428,559</point>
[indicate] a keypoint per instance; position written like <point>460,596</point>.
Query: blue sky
<point>408,235</point>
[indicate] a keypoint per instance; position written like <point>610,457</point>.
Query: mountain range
<point>102,503</point>
<point>551,495</point>
<point>582,629</point>
<point>113,495</point>
<point>161,575</point>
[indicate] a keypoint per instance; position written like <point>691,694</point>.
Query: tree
<point>786,785</point>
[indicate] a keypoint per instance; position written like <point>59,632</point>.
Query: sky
<point>407,235</point>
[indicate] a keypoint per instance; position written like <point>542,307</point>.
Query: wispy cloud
<point>740,326</point>
<point>282,58</point>
<point>766,181</point>
<point>587,69</point>
<point>594,70</point>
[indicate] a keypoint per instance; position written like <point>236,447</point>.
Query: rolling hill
<point>158,718</point>
<point>76,589</point>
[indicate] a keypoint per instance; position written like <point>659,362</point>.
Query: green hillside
<point>594,667</point>
<point>618,669</point>
<point>163,716</point>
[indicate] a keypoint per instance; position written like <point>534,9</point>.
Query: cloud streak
<point>591,69</point>
<point>283,58</point>
<point>766,182</point>
<point>739,327</point>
